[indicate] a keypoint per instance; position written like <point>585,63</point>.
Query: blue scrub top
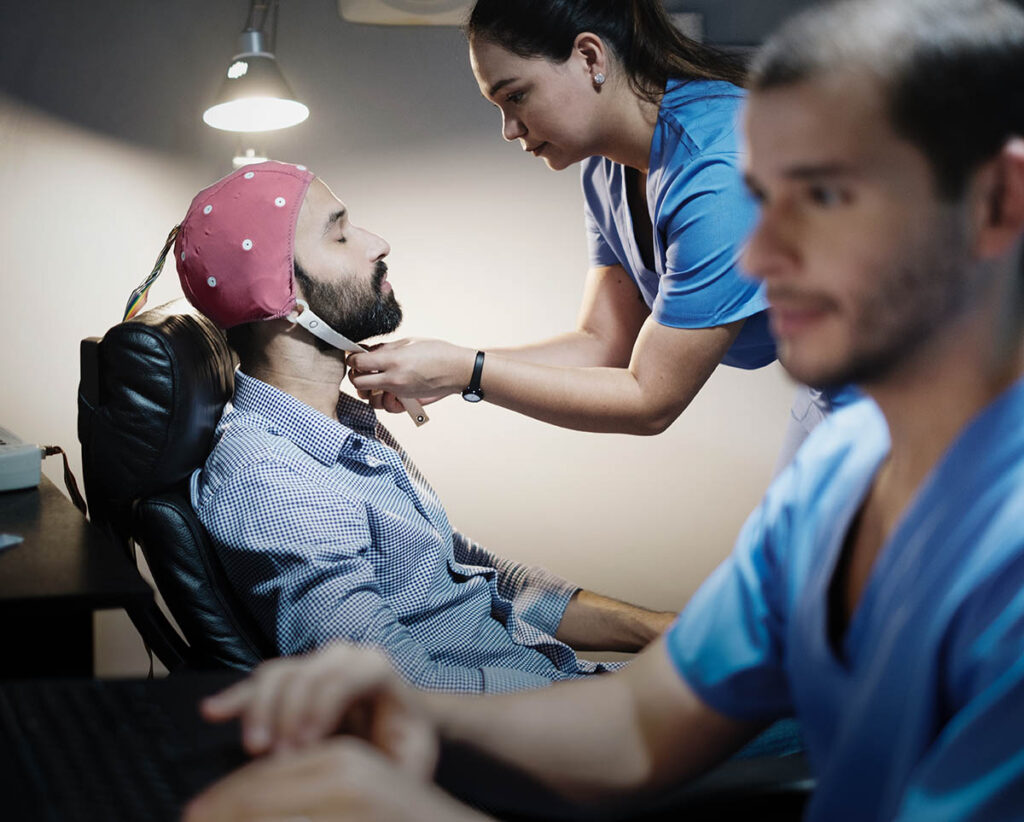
<point>919,714</point>
<point>701,214</point>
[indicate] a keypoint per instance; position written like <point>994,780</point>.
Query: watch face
<point>472,396</point>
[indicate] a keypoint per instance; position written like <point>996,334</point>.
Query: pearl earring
<point>598,79</point>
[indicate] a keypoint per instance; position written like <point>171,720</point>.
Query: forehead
<point>493,63</point>
<point>840,117</point>
<point>317,208</point>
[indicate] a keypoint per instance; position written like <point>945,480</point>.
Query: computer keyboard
<point>127,750</point>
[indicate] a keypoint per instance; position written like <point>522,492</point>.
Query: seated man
<point>877,594</point>
<point>323,525</point>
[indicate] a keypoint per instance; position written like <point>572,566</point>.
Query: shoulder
<point>596,174</point>
<point>857,432</point>
<point>249,457</point>
<point>835,461</point>
<point>702,116</point>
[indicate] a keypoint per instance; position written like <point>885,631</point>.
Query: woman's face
<point>550,108</point>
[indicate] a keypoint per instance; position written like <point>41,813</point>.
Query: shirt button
<point>357,444</point>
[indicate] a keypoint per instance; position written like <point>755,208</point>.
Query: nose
<point>768,250</point>
<point>377,247</point>
<point>511,127</point>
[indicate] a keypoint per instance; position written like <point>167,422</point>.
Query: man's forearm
<point>587,739</point>
<point>575,737</point>
<point>597,623</point>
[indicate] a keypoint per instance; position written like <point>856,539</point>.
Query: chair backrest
<point>151,392</point>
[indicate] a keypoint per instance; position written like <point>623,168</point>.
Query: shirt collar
<point>319,436</point>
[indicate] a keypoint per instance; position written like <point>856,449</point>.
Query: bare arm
<point>581,619</point>
<point>615,733</point>
<point>579,381</point>
<point>611,315</point>
<point>638,728</point>
<point>592,622</point>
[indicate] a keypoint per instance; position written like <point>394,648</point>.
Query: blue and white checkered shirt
<point>327,530</point>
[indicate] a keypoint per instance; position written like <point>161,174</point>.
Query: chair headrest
<point>158,385</point>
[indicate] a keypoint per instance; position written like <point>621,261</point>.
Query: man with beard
<point>877,593</point>
<point>323,525</point>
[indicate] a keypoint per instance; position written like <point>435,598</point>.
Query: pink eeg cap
<point>235,250</point>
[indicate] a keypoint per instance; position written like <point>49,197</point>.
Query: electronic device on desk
<point>20,462</point>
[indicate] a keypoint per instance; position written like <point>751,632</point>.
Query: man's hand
<point>343,779</point>
<point>294,702</point>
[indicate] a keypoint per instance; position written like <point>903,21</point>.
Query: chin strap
<point>303,315</point>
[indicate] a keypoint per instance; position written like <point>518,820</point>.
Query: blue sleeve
<point>296,555</point>
<point>704,218</point>
<point>537,595</point>
<point>974,770</point>
<point>599,253</point>
<point>728,642</point>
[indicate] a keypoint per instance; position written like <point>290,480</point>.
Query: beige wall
<point>487,249</point>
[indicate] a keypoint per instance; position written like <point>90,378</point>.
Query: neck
<point>289,359</point>
<point>936,392</point>
<point>628,128</point>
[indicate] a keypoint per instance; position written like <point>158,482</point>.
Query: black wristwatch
<point>473,392</point>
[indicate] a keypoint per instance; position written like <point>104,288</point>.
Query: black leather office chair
<point>151,392</point>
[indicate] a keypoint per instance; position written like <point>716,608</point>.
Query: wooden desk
<point>51,583</point>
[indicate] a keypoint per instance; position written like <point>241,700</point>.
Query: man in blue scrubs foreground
<point>878,592</point>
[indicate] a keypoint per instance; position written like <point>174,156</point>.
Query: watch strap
<point>473,392</point>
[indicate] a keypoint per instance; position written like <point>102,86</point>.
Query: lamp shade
<point>254,95</point>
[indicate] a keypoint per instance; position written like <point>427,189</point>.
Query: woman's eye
<point>515,97</point>
<point>342,239</point>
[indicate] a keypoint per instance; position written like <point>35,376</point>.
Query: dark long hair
<point>651,49</point>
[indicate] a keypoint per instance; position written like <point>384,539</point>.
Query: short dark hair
<point>952,71</point>
<point>639,32</point>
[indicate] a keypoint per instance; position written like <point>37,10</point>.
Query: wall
<point>102,149</point>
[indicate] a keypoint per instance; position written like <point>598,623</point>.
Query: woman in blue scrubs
<point>654,120</point>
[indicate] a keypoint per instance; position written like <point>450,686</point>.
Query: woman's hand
<point>295,702</point>
<point>343,779</point>
<point>415,368</point>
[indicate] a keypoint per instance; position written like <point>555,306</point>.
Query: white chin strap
<point>304,316</point>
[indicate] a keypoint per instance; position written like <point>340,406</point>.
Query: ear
<point>592,52</point>
<point>1002,193</point>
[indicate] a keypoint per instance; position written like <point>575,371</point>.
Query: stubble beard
<point>915,299</point>
<point>355,310</point>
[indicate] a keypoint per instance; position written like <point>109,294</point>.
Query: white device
<point>318,328</point>
<point>20,462</point>
<point>406,12</point>
<point>456,13</point>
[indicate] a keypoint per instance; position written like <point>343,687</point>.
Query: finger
<point>314,705</point>
<point>354,678</point>
<point>259,722</point>
<point>371,382</point>
<point>290,708</point>
<point>367,362</point>
<point>406,738</point>
<point>391,403</point>
<point>227,704</point>
<point>273,787</point>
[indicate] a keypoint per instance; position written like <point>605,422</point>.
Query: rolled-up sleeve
<point>538,596</point>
